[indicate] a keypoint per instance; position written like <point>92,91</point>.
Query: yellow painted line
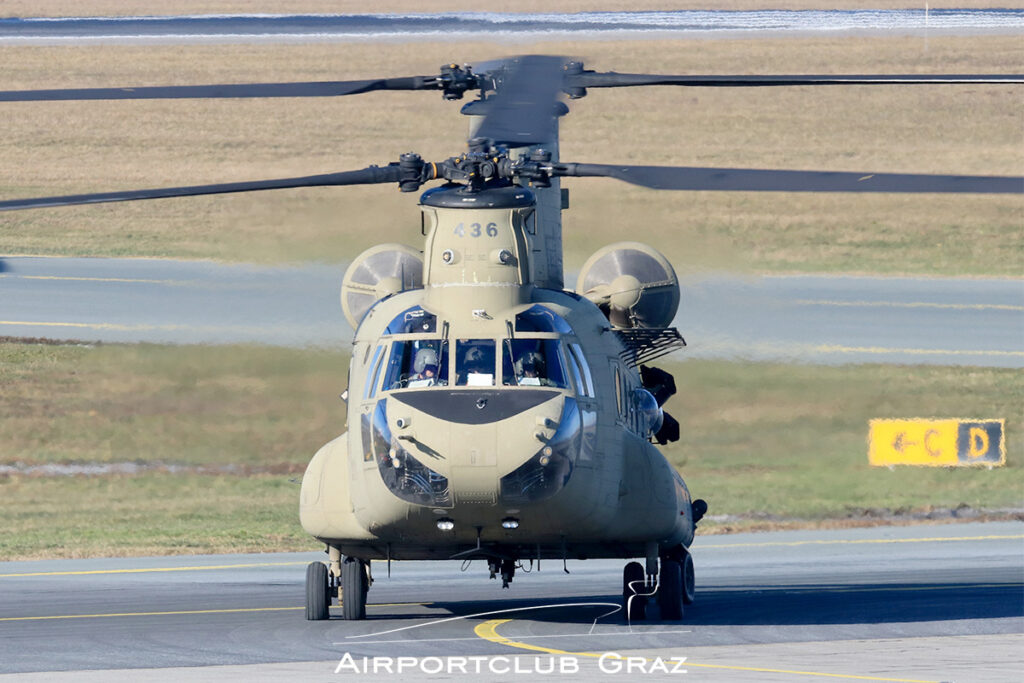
<point>193,611</point>
<point>913,304</point>
<point>898,589</point>
<point>861,541</point>
<point>96,279</point>
<point>489,631</point>
<point>835,348</point>
<point>151,614</point>
<point>143,570</point>
<point>96,326</point>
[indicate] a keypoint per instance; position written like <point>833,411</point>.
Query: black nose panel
<point>474,406</point>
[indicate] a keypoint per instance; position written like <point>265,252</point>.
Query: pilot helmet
<point>530,362</point>
<point>424,358</point>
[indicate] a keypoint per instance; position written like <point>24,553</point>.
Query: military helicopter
<point>493,414</point>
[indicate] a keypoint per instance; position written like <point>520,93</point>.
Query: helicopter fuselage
<point>490,416</point>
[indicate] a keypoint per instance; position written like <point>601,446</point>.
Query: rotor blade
<point>610,79</point>
<point>522,111</point>
<point>366,176</point>
<point>309,89</point>
<point>771,180</point>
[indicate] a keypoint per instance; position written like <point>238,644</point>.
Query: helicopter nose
<point>482,435</point>
<point>475,407</point>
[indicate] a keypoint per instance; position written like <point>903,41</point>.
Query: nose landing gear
<point>506,566</point>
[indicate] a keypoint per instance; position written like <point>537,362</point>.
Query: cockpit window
<point>475,362</point>
<point>537,318</point>
<point>533,362</point>
<point>370,390</point>
<point>413,320</point>
<point>581,371</point>
<point>417,363</point>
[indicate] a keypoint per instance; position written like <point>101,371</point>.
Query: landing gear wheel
<point>317,600</point>
<point>634,602</point>
<point>353,588</point>
<point>689,580</point>
<point>670,590</point>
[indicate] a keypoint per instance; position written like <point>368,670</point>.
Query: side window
<point>373,374</point>
<point>476,364</point>
<point>586,383</point>
<point>634,414</point>
<point>577,375</point>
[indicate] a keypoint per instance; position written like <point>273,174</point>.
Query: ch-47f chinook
<point>492,414</point>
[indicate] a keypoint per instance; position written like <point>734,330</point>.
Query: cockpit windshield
<point>417,363</point>
<point>533,362</point>
<point>475,366</point>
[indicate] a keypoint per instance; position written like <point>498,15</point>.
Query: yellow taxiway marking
<point>489,631</point>
<point>836,348</point>
<point>911,304</point>
<point>143,570</point>
<point>898,589</point>
<point>151,614</point>
<point>96,279</point>
<point>196,611</point>
<point>860,541</point>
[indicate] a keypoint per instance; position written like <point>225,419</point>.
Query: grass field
<point>220,434</point>
<point>760,442</point>
<point>55,148</point>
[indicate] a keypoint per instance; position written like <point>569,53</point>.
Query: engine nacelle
<point>633,284</point>
<point>378,272</point>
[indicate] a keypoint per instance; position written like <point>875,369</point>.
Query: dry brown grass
<point>54,148</point>
<point>75,8</point>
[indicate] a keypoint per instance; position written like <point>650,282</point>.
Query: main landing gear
<point>348,579</point>
<point>674,588</point>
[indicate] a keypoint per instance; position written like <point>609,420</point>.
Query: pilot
<point>530,370</point>
<point>424,368</point>
<point>476,369</point>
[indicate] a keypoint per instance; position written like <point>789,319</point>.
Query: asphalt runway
<point>802,318</point>
<point>921,603</point>
<point>253,28</point>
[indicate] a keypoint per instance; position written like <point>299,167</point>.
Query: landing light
<point>510,523</point>
<point>445,524</point>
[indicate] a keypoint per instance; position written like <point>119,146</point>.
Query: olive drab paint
<point>567,456</point>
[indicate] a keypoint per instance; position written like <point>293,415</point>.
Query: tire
<point>317,600</point>
<point>634,602</point>
<point>353,589</point>
<point>670,590</point>
<point>689,580</point>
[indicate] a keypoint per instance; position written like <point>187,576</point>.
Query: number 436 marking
<point>475,230</point>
